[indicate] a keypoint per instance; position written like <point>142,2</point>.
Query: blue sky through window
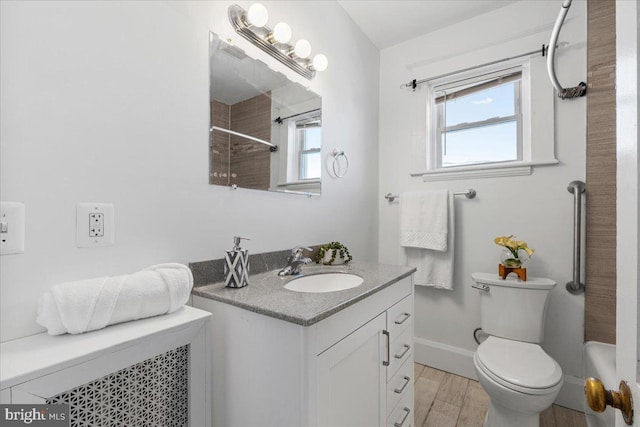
<point>492,143</point>
<point>495,142</point>
<point>497,101</point>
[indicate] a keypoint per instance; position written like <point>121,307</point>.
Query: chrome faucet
<point>295,261</point>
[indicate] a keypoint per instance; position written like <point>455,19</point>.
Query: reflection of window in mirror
<point>307,139</point>
<point>300,148</point>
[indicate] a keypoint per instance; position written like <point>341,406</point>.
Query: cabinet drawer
<point>401,350</point>
<point>399,384</point>
<point>402,415</point>
<point>400,316</point>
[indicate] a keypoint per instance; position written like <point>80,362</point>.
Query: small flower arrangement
<point>329,253</point>
<point>512,258</point>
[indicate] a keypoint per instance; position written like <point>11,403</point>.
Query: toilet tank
<point>511,308</point>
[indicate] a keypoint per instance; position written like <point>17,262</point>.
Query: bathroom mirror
<point>265,130</point>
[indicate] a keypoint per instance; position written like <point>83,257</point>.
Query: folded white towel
<point>87,305</point>
<point>423,219</point>
<point>434,268</point>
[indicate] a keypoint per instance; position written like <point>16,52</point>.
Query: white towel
<point>434,268</point>
<point>423,219</point>
<point>87,305</point>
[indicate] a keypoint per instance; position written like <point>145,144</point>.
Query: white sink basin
<point>324,282</point>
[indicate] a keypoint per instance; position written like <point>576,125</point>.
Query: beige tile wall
<point>250,161</point>
<point>219,152</point>
<point>600,239</point>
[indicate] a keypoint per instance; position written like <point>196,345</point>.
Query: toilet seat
<point>517,365</point>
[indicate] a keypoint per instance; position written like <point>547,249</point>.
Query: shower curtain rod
<point>414,83</point>
<point>272,147</point>
<point>280,120</point>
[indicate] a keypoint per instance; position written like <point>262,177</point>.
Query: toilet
<point>519,377</point>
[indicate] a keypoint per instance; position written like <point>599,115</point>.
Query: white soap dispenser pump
<point>236,265</point>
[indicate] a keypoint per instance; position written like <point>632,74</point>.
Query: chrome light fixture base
<point>300,66</point>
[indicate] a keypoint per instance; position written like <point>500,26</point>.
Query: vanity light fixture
<point>257,15</point>
<point>252,26</point>
<point>302,48</point>
<point>282,32</point>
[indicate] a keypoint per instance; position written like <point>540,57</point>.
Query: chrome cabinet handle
<point>401,355</point>
<point>407,411</point>
<point>401,389</point>
<point>481,287</point>
<point>406,316</point>
<point>386,362</point>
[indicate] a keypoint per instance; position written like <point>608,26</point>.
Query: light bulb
<point>282,32</point>
<point>302,48</point>
<point>258,15</point>
<point>320,62</point>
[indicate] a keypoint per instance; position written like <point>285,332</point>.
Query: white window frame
<point>293,156</point>
<point>442,129</point>
<point>538,130</point>
<point>299,142</point>
<point>434,153</point>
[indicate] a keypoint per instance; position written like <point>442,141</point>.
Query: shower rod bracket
<point>573,92</point>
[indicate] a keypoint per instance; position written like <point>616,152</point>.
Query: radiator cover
<point>154,392</point>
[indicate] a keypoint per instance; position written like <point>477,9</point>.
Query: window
<point>308,143</point>
<point>477,120</point>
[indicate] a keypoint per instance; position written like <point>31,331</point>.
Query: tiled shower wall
<point>219,152</point>
<point>250,161</point>
<point>600,263</point>
<point>236,160</point>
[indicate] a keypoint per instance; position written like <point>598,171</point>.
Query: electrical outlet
<point>95,225</point>
<point>11,228</point>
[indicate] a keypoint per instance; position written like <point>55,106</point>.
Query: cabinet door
<point>351,378</point>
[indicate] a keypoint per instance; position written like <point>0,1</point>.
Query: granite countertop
<point>266,294</point>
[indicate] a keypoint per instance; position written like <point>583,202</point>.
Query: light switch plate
<point>95,224</point>
<point>12,224</point>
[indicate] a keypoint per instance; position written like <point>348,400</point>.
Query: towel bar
<point>469,194</point>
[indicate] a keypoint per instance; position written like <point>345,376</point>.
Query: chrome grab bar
<point>576,188</point>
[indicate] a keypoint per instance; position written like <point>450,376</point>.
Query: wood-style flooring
<point>447,400</point>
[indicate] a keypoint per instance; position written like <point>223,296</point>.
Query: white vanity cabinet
<point>353,368</point>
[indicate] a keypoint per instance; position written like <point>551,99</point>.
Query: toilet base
<point>500,416</point>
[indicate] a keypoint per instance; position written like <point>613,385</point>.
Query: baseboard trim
<point>459,361</point>
<point>445,357</point>
<point>572,394</point>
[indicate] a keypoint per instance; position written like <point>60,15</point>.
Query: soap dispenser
<point>236,265</point>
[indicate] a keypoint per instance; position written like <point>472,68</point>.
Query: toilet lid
<point>521,364</point>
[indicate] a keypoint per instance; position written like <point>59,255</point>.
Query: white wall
<point>108,102</point>
<point>536,208</point>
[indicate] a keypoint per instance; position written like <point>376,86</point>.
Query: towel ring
<point>335,166</point>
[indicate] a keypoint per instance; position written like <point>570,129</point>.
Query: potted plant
<point>333,253</point>
<point>512,257</point>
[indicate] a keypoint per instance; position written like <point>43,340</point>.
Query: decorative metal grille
<point>153,392</point>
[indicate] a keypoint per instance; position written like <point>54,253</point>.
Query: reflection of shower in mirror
<point>265,130</point>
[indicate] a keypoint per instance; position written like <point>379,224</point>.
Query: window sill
<point>482,171</point>
<point>310,182</point>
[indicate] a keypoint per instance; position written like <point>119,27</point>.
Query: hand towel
<point>87,305</point>
<point>434,268</point>
<point>423,219</point>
